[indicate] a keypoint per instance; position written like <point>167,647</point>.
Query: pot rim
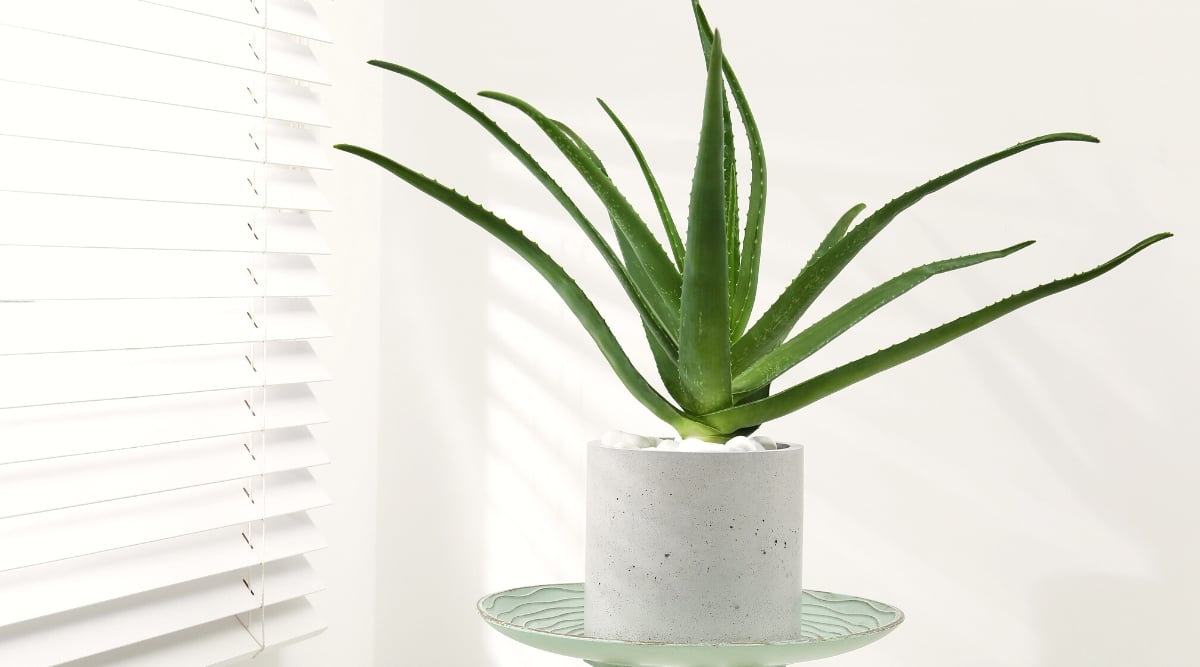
<point>781,448</point>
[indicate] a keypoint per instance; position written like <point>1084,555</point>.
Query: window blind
<point>157,289</point>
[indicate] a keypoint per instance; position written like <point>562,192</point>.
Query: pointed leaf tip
<point>1079,136</point>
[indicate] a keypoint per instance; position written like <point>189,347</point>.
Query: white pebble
<point>767,442</point>
<point>698,445</point>
<point>743,444</point>
<point>738,443</point>
<point>623,440</point>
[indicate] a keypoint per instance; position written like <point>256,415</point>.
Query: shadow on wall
<point>1127,467</point>
<point>533,480</point>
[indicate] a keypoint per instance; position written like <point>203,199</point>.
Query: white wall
<point>1025,494</point>
<point>430,463</point>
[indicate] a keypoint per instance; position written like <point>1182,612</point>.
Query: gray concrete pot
<point>693,547</point>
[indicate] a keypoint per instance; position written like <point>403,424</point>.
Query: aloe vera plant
<point>695,296</point>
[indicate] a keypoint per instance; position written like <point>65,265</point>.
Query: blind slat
<point>52,113</point>
<point>221,643</point>
<point>39,327</point>
<point>30,540</point>
<point>52,221</point>
<point>46,274</point>
<point>291,58</point>
<point>83,169</point>
<point>98,376</point>
<point>294,102</point>
<point>52,588</point>
<point>296,147</point>
<point>122,24</point>
<point>294,17</point>
<point>76,634</point>
<point>72,429</point>
<point>120,72</point>
<point>247,13</point>
<point>53,484</point>
<point>35,112</point>
<point>207,645</point>
<point>293,189</point>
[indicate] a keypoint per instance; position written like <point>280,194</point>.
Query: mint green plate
<point>550,618</point>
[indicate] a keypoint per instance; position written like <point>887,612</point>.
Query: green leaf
<point>704,313</point>
<point>732,224</point>
<point>660,202</point>
<point>667,365</point>
<point>663,298</point>
<point>666,359</point>
<point>802,345</point>
<point>639,300</point>
<point>553,273</point>
<point>742,300</point>
<point>779,319</point>
<point>816,388</point>
<point>666,354</point>
<point>836,233</point>
<point>662,345</point>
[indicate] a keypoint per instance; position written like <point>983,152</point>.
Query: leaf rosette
<point>695,296</point>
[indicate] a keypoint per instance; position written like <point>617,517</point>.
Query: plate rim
<point>493,620</point>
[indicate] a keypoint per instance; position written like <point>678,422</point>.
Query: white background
<point>1025,494</point>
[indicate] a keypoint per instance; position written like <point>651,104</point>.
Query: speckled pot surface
<point>694,547</point>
